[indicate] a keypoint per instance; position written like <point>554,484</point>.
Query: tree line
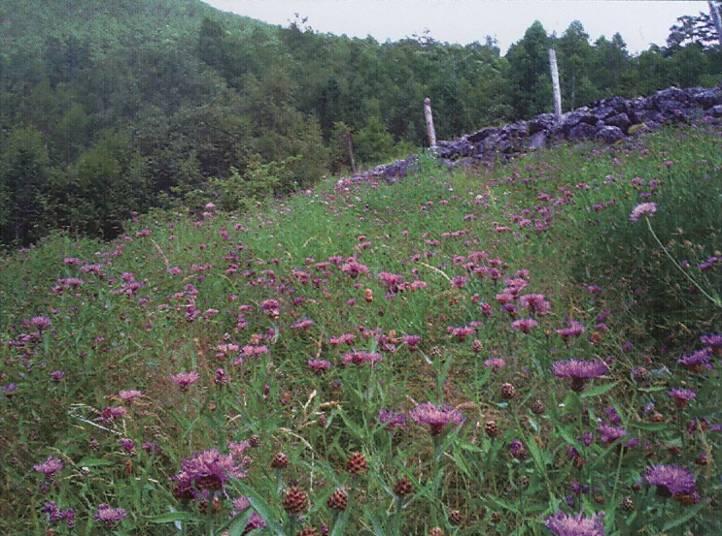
<point>219,107</point>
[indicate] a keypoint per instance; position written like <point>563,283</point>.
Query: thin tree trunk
<point>714,12</point>
<point>555,83</point>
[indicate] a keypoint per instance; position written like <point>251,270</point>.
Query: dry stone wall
<point>607,120</point>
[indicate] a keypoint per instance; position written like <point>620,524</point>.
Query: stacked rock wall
<point>607,120</point>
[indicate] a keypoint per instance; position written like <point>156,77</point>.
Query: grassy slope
<point>414,228</point>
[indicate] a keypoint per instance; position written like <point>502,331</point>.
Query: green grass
<point>423,228</point>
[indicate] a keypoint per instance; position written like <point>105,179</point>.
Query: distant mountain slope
<point>109,24</point>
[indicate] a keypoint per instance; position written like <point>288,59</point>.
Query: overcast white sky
<point>465,21</point>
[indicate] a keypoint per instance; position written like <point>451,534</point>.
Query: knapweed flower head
<point>436,417</point>
<point>579,371</point>
<point>412,341</point>
<point>697,361</point>
<point>525,325</point>
<point>392,419</point>
<point>608,433</point>
<point>574,329</point>
<point>185,379</point>
<point>205,472</point>
<point>682,396</point>
<point>319,366</point>
<point>108,515</point>
<point>111,413</point>
<point>40,323</point>
<point>561,524</point>
<point>672,481</point>
<point>129,395</point>
<point>56,515</point>
<point>517,449</point>
<point>49,467</point>
<point>460,333</point>
<point>713,341</point>
<point>360,358</point>
<point>536,304</point>
<point>495,363</point>
<point>641,210</point>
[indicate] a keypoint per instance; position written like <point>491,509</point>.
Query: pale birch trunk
<point>714,12</point>
<point>430,132</point>
<point>555,83</point>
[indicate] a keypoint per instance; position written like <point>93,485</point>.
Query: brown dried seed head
<point>491,429</point>
<point>537,407</point>
<point>307,531</point>
<point>455,517</point>
<point>508,391</point>
<point>338,500</point>
<point>357,464</point>
<point>436,531</point>
<point>403,487</point>
<point>295,500</point>
<point>280,461</point>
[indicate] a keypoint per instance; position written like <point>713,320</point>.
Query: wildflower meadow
<point>529,348</point>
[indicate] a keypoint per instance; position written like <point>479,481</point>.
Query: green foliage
<point>373,142</point>
<point>169,296</point>
<point>259,180</point>
<point>671,288</point>
<point>197,92</point>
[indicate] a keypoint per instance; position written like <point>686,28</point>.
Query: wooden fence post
<point>349,146</point>
<point>555,84</point>
<point>430,132</point>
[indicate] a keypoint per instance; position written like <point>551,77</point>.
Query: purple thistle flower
<point>574,329</point>
<point>579,371</point>
<point>682,396</point>
<point>205,472</point>
<point>220,377</point>
<point>360,357</point>
<point>108,515</point>
<point>57,375</point>
<point>672,481</point>
<point>714,341</point>
<point>697,361</point>
<point>392,419</point>
<point>129,395</point>
<point>49,467</point>
<point>517,449</point>
<point>127,444</point>
<point>319,366</point>
<point>609,434</point>
<point>460,332</point>
<point>495,363</point>
<point>643,209</point>
<point>303,324</point>
<point>536,304</point>
<point>240,505</point>
<point>561,524</point>
<point>40,323</point>
<point>55,514</point>
<point>412,341</point>
<point>255,522</point>
<point>110,413</point>
<point>436,417</point>
<point>185,379</point>
<point>525,325</point>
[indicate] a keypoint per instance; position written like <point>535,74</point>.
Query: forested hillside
<point>112,107</point>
